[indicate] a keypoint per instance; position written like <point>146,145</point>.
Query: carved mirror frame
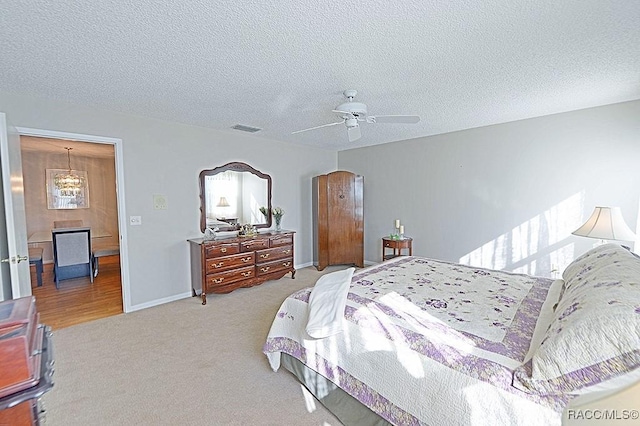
<point>235,166</point>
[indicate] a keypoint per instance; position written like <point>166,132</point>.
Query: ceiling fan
<point>353,113</point>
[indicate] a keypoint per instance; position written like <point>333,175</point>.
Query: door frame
<point>15,279</point>
<point>120,191</point>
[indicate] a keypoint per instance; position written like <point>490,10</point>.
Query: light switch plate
<point>160,202</point>
<point>135,220</point>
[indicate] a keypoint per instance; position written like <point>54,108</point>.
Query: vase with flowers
<point>264,211</point>
<point>278,212</point>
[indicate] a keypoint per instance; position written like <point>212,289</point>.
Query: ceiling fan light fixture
<point>352,113</point>
<point>351,122</point>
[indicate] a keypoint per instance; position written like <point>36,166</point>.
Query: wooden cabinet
<point>221,266</point>
<point>338,219</point>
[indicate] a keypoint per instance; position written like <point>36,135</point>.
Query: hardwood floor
<point>77,300</point>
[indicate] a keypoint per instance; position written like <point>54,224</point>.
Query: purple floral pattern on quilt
<point>416,299</point>
<point>495,309</point>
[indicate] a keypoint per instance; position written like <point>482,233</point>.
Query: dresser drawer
<point>221,279</point>
<point>223,249</point>
<point>20,345</point>
<point>282,240</point>
<point>274,254</point>
<point>23,414</point>
<point>254,244</point>
<point>278,265</point>
<point>219,264</point>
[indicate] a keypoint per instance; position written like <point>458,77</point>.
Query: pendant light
<point>69,184</point>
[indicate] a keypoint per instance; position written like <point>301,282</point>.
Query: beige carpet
<point>181,364</point>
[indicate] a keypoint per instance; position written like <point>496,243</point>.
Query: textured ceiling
<point>282,66</point>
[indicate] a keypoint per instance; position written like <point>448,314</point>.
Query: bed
<point>415,341</point>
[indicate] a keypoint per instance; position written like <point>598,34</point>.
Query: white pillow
<point>327,302</point>
<point>595,334</point>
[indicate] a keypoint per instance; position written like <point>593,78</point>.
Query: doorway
<point>101,158</point>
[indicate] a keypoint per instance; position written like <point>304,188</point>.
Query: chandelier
<point>68,184</point>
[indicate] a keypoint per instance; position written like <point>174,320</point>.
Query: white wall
<point>165,158</point>
<point>505,196</point>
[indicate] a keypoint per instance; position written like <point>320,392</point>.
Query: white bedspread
<point>428,342</point>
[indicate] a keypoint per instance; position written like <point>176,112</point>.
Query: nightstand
<point>397,246</point>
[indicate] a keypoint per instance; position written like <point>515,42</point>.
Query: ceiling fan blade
<point>408,119</point>
<point>337,111</point>
<point>318,127</point>
<point>354,133</point>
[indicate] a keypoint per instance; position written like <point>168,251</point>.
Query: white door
<point>14,252</point>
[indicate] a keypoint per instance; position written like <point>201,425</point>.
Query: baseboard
<point>305,265</point>
<point>160,301</point>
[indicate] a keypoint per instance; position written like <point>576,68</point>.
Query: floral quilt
<point>428,342</point>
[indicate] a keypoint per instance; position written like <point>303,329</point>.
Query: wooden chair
<point>72,257</point>
<point>67,223</point>
<point>35,258</point>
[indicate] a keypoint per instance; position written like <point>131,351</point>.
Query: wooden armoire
<point>338,219</point>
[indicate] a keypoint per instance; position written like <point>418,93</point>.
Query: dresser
<point>26,363</point>
<point>223,265</point>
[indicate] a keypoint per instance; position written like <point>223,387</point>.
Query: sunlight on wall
<point>532,247</point>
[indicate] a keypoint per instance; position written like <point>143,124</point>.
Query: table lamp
<point>223,204</point>
<point>606,223</point>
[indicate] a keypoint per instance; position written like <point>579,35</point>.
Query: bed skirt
<point>345,407</point>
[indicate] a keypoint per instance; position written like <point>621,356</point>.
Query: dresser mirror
<point>232,195</point>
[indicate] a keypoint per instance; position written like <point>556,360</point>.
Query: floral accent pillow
<point>595,334</point>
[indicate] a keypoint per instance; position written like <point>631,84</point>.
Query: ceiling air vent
<point>244,128</point>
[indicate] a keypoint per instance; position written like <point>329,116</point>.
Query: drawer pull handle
<point>287,264</point>
<point>218,265</point>
<point>265,269</point>
<point>264,255</point>
<point>218,280</point>
<point>223,249</point>
<point>246,259</point>
<point>286,251</point>
<point>246,274</point>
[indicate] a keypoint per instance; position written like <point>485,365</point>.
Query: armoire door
<point>338,219</point>
<point>344,211</point>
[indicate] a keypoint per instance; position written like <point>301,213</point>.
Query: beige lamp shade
<point>606,223</point>
<point>223,202</point>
